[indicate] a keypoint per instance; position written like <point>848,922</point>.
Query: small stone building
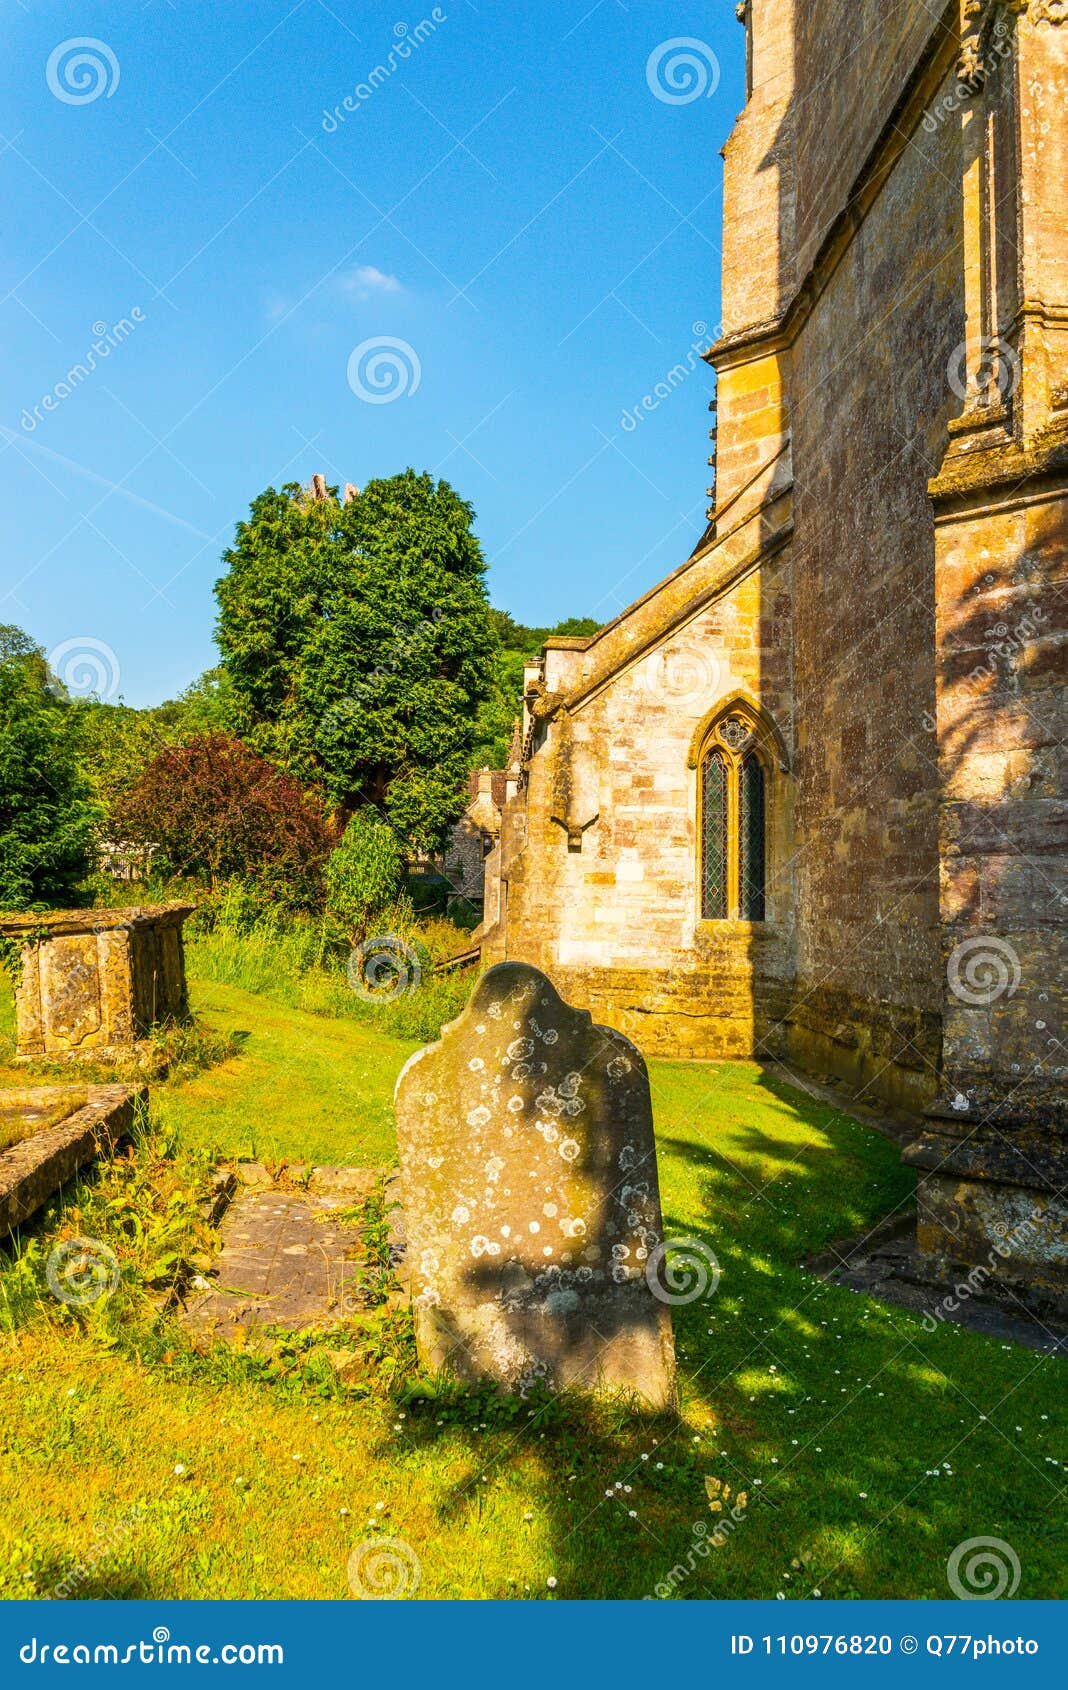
<point>479,828</point>
<point>805,798</point>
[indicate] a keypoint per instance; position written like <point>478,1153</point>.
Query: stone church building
<point>805,798</point>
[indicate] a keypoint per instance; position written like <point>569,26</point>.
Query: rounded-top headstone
<point>531,1197</point>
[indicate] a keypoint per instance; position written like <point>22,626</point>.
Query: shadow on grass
<point>857,1438</point>
<point>825,1410</point>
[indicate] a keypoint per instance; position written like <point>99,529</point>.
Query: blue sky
<point>511,202</point>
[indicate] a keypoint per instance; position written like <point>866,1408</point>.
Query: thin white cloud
<point>368,279</point>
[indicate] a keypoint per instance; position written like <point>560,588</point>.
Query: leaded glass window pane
<point>714,837</point>
<point>751,843</point>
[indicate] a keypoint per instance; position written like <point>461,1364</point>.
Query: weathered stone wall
<point>852,59</point>
<point>882,223</point>
<point>870,400</point>
<point>759,278</point>
<point>1003,727</point>
<point>613,914</point>
<point>1001,529</point>
<point>464,859</point>
<point>759,275</point>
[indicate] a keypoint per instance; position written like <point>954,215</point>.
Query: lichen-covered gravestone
<point>531,1197</point>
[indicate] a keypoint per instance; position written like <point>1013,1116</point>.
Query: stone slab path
<point>287,1258</point>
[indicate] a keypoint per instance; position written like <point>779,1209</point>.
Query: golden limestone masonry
<point>805,798</point>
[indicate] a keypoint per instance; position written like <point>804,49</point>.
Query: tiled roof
<point>498,786</point>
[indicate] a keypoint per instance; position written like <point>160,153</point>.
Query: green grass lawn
<point>305,1088</point>
<point>867,1447</point>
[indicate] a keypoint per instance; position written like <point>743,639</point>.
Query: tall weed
<point>303,962</point>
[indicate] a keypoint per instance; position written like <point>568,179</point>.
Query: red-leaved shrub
<point>215,807</point>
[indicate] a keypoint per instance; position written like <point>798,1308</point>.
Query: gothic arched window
<point>733,801</point>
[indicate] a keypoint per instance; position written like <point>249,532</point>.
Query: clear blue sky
<point>511,201</point>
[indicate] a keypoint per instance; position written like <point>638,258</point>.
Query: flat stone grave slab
<point>289,1258</point>
<point>885,1263</point>
<point>48,1133</point>
<point>23,1114</point>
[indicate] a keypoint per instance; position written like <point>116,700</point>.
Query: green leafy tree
<point>358,645</point>
<point>46,812</point>
<point>16,646</point>
<point>364,874</point>
<point>119,742</point>
<point>206,705</point>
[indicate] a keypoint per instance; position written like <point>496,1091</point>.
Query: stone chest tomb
<point>531,1197</point>
<point>95,982</point>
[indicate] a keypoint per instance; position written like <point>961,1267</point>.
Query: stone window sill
<point>715,929</point>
